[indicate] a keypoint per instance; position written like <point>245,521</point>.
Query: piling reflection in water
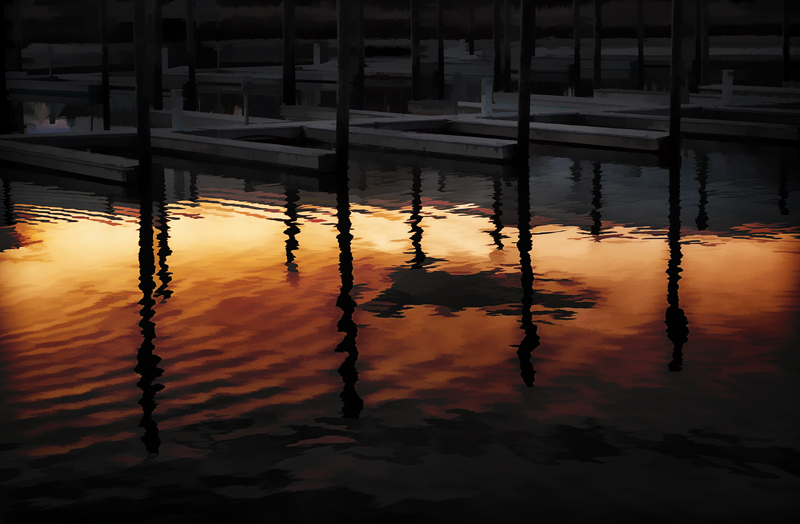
<point>147,360</point>
<point>497,216</point>
<point>8,207</point>
<point>597,195</point>
<point>783,193</point>
<point>702,176</point>
<point>530,340</point>
<point>676,321</point>
<point>351,402</point>
<point>292,196</point>
<point>164,274</point>
<point>416,231</point>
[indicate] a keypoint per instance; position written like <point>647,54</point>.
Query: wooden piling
<point>497,32</point>
<point>786,30</point>
<point>105,88</point>
<point>5,104</point>
<point>576,53</point>
<point>190,93</point>
<point>415,81</point>
<point>704,43</point>
<point>507,46</point>
<point>289,88</point>
<point>676,77</point>
<point>640,41</point>
<point>18,35</point>
<point>142,98</point>
<point>344,26</point>
<point>358,18</point>
<point>598,29</point>
<point>471,42</point>
<point>158,37</point>
<point>440,49</point>
<point>524,101</point>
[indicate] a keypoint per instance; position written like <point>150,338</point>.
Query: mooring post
<point>316,51</point>
<point>727,86</point>
<point>471,44</point>
<point>440,49</point>
<point>289,89</point>
<point>246,87</point>
<point>497,31</point>
<point>344,27</point>
<point>142,98</point>
<point>640,42</point>
<point>524,103</point>
<point>191,88</point>
<point>533,29</point>
<point>158,64</point>
<point>507,46</point>
<point>5,103</point>
<point>704,43</point>
<point>576,53</point>
<point>18,34</point>
<point>415,94</point>
<point>786,29</point>
<point>598,30</point>
<point>676,78</point>
<point>358,47</point>
<point>105,88</point>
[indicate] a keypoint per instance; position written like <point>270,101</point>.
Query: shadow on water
<point>702,177</point>
<point>8,206</point>
<point>351,402</point>
<point>147,360</point>
<point>530,340</point>
<point>676,321</point>
<point>292,196</point>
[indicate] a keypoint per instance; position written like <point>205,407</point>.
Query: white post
<point>317,60</point>
<point>177,109</point>
<point>486,97</point>
<point>246,84</point>
<point>727,86</point>
<point>164,60</point>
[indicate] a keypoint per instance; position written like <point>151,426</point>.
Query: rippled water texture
<point>423,346</point>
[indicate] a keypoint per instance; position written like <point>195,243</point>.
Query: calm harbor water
<point>435,340</point>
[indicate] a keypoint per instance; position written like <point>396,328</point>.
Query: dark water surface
<point>421,345</point>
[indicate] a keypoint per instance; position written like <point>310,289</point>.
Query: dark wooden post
<point>18,34</point>
<point>289,89</point>
<point>507,46</point>
<point>676,78</point>
<point>598,29</point>
<point>158,83</point>
<point>497,30</point>
<point>190,93</point>
<point>533,28</point>
<point>640,40</point>
<point>576,54</point>
<point>472,27</point>
<point>344,26</point>
<point>786,30</point>
<point>5,102</point>
<point>105,88</point>
<point>440,49</point>
<point>358,16</point>
<point>415,94</point>
<point>142,102</point>
<point>704,52</point>
<point>524,103</point>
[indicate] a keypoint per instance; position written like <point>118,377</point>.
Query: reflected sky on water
<point>436,339</point>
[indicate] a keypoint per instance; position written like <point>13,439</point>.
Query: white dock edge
<point>631,139</point>
<point>274,154</point>
<point>90,165</point>
<point>427,143</point>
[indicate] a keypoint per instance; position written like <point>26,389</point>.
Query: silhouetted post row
<point>524,102</point>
